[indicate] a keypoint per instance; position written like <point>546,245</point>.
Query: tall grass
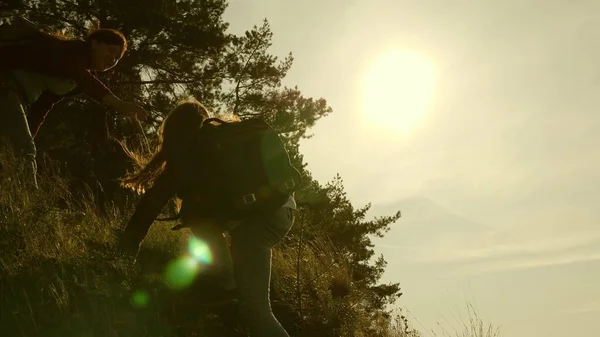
<point>61,275</point>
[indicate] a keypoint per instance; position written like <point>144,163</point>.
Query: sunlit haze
<point>480,121</point>
<point>398,89</point>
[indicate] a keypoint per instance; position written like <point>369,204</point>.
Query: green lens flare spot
<point>181,272</point>
<point>199,251</point>
<point>140,299</point>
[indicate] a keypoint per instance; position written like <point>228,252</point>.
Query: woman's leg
<point>251,246</point>
<point>14,128</point>
<point>221,265</point>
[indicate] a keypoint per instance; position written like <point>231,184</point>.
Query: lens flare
<point>140,299</point>
<point>199,251</point>
<point>181,272</point>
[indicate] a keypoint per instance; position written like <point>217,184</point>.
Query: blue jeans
<point>249,259</point>
<point>15,129</point>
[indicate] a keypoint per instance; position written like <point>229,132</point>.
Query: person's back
<point>48,55</point>
<point>19,31</point>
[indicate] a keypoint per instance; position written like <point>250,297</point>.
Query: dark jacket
<point>168,185</point>
<point>37,112</point>
<point>68,59</point>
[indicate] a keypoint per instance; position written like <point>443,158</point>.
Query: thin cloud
<point>483,248</point>
<point>586,309</point>
<point>431,234</point>
<point>542,262</point>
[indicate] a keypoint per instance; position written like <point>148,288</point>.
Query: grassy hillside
<point>60,275</point>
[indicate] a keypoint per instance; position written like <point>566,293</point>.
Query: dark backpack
<point>237,169</point>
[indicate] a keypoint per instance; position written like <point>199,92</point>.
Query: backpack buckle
<point>290,184</point>
<point>249,198</point>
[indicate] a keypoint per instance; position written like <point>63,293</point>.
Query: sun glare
<point>397,90</point>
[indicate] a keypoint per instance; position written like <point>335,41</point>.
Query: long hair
<point>174,138</point>
<point>108,36</point>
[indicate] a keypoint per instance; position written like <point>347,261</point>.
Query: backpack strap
<point>286,187</point>
<point>214,119</point>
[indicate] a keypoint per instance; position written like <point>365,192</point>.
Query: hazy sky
<point>498,182</point>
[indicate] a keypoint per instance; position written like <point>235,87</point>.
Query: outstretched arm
<point>149,207</point>
<point>94,88</point>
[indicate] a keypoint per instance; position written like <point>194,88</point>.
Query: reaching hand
<point>132,110</point>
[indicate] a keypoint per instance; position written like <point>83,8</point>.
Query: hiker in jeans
<point>42,69</point>
<point>246,266</point>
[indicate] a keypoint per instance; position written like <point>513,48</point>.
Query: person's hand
<point>132,110</point>
<point>127,246</point>
<point>129,109</point>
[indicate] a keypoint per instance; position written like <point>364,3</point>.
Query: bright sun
<point>397,90</point>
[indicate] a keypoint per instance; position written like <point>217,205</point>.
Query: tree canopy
<point>178,49</point>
